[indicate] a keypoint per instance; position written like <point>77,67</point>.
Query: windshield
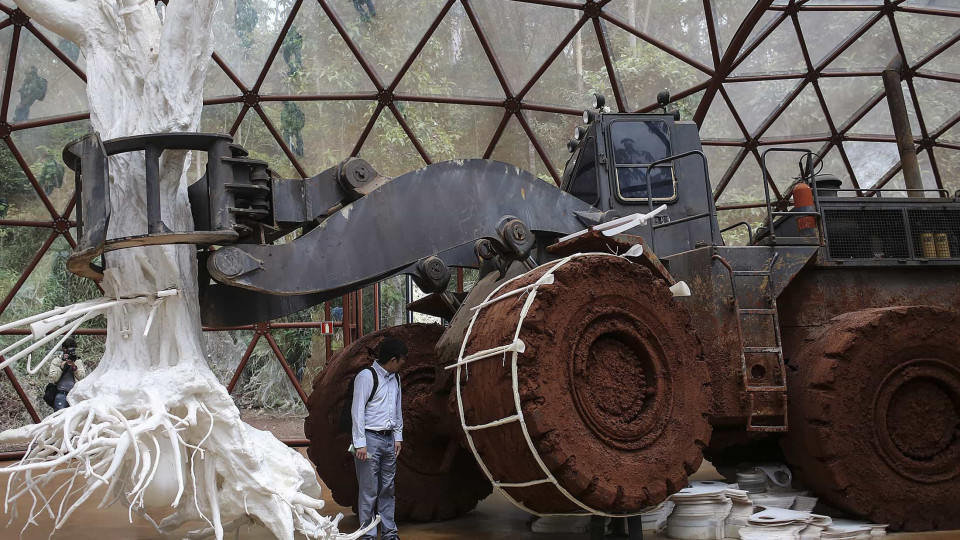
<point>637,144</point>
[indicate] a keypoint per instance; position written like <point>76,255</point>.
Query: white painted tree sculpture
<point>152,426</point>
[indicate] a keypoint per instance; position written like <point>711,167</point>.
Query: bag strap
<point>376,383</point>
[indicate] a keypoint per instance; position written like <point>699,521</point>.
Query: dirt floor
<point>494,519</point>
<point>283,426</point>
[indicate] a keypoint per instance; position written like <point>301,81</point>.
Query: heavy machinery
<point>579,375</point>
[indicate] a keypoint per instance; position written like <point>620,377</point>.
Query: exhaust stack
<point>901,126</point>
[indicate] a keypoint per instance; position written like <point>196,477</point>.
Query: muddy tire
<point>612,382</point>
<point>875,416</point>
<point>437,479</point>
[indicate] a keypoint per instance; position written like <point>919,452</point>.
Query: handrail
<point>870,191</point>
<point>767,180</point>
<point>711,211</point>
<point>740,224</point>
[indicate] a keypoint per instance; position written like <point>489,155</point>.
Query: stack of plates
<point>740,512</point>
<point>655,519</point>
<point>782,524</point>
<point>845,529</point>
<point>700,512</point>
<point>752,480</point>
<point>817,525</point>
<point>780,498</point>
<point>776,524</point>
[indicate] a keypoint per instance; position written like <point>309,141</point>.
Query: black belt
<point>381,432</point>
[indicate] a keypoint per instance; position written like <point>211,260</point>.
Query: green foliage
<point>48,286</point>
<point>14,183</point>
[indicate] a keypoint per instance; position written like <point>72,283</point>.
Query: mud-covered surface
<point>927,400</point>
<point>875,416</point>
<point>712,315</point>
<point>612,380</point>
<point>436,477</point>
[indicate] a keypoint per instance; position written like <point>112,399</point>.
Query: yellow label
<point>928,247</point>
<point>943,245</point>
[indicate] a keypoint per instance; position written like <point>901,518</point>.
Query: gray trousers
<point>375,476</point>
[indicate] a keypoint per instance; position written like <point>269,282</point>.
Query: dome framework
<point>304,84</point>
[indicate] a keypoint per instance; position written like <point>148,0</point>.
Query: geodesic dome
<point>304,84</point>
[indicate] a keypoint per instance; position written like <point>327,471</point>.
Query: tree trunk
<point>152,421</point>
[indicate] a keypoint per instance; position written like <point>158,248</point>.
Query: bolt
<point>251,99</point>
<point>485,249</point>
<point>19,18</point>
<point>518,233</point>
<point>592,9</point>
<point>435,268</point>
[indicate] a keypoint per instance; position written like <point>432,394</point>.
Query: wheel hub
<point>917,420</point>
<point>618,385</point>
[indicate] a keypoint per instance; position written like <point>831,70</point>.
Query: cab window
<point>636,144</point>
<point>583,183</point>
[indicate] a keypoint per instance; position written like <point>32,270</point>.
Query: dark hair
<point>391,348</point>
<point>69,343</point>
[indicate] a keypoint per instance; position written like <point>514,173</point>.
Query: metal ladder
<point>771,393</point>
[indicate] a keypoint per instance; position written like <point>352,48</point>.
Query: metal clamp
<point>235,192</point>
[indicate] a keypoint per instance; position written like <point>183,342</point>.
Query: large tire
<point>437,478</point>
<point>875,416</point>
<point>612,382</point>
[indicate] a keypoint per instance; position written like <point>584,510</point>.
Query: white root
<point>91,446</point>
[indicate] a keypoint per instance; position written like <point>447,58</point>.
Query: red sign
<point>326,328</point>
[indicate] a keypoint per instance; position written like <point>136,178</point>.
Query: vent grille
<point>872,233</point>
<point>942,227</point>
<point>890,233</point>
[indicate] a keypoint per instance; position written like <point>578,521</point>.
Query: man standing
<point>66,372</point>
<point>377,434</point>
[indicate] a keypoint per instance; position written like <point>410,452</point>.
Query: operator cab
<point>608,170</point>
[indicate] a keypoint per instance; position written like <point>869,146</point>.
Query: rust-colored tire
<point>875,416</point>
<point>437,478</point>
<point>612,383</point>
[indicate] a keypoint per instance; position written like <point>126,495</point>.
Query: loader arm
<point>420,223</point>
<point>442,209</point>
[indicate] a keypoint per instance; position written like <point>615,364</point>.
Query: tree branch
<point>142,24</point>
<point>188,28</point>
<point>68,18</point>
<point>186,44</point>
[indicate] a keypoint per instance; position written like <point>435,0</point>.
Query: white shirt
<point>380,413</point>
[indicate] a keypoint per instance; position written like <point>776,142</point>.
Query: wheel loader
<point>613,338</point>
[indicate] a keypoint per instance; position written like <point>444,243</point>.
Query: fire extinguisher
<point>803,202</point>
